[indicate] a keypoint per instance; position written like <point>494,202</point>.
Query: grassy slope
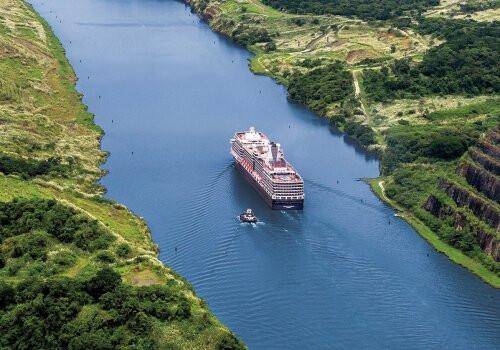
<point>41,115</point>
<point>350,40</point>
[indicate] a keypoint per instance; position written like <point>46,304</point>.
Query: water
<point>336,275</point>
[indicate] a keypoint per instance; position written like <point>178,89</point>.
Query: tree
<point>104,281</point>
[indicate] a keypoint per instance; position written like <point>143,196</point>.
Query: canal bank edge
<point>57,167</point>
<point>455,255</point>
<point>222,18</point>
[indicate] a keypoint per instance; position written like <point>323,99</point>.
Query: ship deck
<point>258,147</point>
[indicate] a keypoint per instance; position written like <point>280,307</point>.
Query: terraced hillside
<point>475,201</point>
<point>76,270</point>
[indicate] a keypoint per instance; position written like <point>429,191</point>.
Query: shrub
<point>28,168</point>
<point>447,147</point>
<point>270,46</point>
<point>105,256</point>
<point>106,280</point>
<point>183,310</point>
<point>123,250</point>
<point>230,342</point>
<point>64,259</point>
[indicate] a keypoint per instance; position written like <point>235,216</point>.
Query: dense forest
<point>39,239</point>
<point>98,313</point>
<point>321,86</point>
<point>466,63</point>
<point>31,226</point>
<point>365,9</point>
<point>426,143</point>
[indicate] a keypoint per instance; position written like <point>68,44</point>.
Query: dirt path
<point>450,5</point>
<point>357,93</point>
<point>259,6</point>
<point>313,42</point>
<point>381,185</point>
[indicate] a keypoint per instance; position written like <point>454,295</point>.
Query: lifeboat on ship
<point>248,216</point>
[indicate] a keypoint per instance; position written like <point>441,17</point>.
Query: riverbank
<point>49,167</point>
<point>455,255</point>
<point>302,51</point>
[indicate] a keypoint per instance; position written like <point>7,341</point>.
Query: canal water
<point>336,275</point>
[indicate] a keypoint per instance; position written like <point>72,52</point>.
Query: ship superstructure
<point>262,163</point>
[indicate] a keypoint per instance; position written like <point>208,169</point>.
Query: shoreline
<point>453,254</point>
<point>421,229</point>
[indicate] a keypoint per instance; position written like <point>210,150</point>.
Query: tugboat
<point>248,216</point>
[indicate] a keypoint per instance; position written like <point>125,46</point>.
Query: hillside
<point>77,270</point>
<point>417,84</point>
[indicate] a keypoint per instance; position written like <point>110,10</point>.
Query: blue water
<point>336,275</point>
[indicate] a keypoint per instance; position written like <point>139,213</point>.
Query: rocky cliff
<point>479,207</point>
<point>481,179</point>
<point>488,243</point>
<point>489,148</point>
<point>487,162</point>
<point>481,170</point>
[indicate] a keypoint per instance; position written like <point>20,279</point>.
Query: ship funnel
<point>274,151</point>
<point>252,129</point>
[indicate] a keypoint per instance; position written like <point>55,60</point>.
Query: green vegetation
<point>417,156</point>
<point>28,168</point>
<point>100,312</point>
<point>27,226</point>
<point>427,143</point>
<point>411,186</point>
<point>466,63</point>
<point>321,87</point>
<point>365,9</point>
<point>77,270</point>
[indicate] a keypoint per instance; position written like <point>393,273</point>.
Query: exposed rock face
<point>488,243</point>
<point>493,136</point>
<point>489,149</point>
<point>480,179</point>
<point>433,206</point>
<point>460,221</point>
<point>209,14</point>
<point>464,198</point>
<point>488,163</point>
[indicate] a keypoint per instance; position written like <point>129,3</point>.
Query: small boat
<point>248,216</point>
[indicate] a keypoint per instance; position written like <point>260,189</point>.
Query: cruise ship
<point>263,165</point>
